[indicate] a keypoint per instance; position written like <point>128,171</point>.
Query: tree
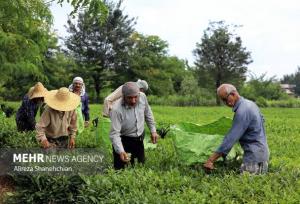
<point>93,7</point>
<point>149,60</point>
<point>220,58</point>
<point>101,49</point>
<point>28,47</point>
<point>176,70</point>
<point>24,40</point>
<point>59,68</point>
<point>189,85</point>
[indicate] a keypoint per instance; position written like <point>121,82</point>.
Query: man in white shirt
<point>128,116</point>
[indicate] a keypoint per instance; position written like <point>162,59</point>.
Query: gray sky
<point>270,28</point>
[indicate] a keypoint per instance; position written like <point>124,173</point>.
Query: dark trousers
<point>132,145</point>
<point>59,142</point>
<point>22,125</point>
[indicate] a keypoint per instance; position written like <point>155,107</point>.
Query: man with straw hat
<point>25,117</point>
<point>114,96</point>
<point>57,125</point>
<point>128,116</point>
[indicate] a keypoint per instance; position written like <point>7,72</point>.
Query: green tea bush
<point>9,137</point>
<point>163,178</point>
<point>47,189</point>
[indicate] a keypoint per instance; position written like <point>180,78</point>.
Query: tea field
<point>164,179</point>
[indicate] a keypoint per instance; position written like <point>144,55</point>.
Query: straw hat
<point>37,91</point>
<point>30,91</point>
<point>62,99</point>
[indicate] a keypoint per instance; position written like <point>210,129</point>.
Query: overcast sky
<point>270,28</point>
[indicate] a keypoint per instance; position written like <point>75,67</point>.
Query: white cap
<point>142,84</point>
<point>78,79</point>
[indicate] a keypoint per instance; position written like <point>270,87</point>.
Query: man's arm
<point>40,128</point>
<point>73,129</point>
<point>149,118</point>
<point>86,110</point>
<point>241,122</point>
<point>73,124</point>
<point>115,131</point>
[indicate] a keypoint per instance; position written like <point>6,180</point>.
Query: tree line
<point>104,48</point>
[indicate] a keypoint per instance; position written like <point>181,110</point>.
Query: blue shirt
<point>85,106</point>
<point>248,129</point>
<point>27,112</point>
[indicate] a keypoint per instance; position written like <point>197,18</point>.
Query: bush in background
<point>267,88</point>
<point>289,103</point>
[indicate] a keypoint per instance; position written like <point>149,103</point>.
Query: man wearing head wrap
<point>78,87</point>
<point>111,98</point>
<point>128,116</point>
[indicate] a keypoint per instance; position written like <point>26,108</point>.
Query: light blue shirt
<point>130,121</point>
<point>248,129</point>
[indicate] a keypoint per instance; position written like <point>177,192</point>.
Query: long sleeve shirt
<point>110,99</point>
<point>55,123</point>
<point>85,106</point>
<point>27,112</point>
<point>129,121</point>
<point>248,129</point>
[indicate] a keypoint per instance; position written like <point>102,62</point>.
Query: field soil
<point>6,185</point>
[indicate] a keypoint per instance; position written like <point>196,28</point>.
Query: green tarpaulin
<point>195,143</point>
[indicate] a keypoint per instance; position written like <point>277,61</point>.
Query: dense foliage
<point>261,89</point>
<point>104,48</point>
<point>101,49</point>
<point>24,40</point>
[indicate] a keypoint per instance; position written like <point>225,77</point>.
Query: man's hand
<point>86,124</point>
<point>154,137</point>
<point>209,165</point>
<point>124,157</point>
<point>45,144</point>
<point>71,143</point>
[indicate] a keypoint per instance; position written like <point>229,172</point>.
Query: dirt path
<point>6,185</point>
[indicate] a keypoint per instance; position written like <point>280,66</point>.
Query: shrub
<point>178,100</point>
<point>261,102</point>
<point>47,189</point>
<point>289,103</point>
